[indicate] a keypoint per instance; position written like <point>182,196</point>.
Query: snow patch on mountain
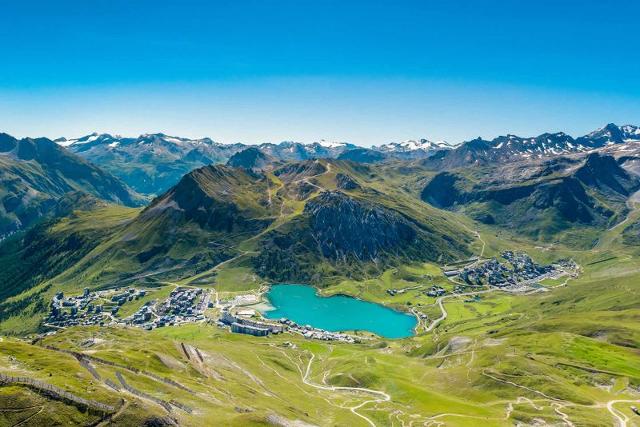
<point>331,144</point>
<point>414,145</point>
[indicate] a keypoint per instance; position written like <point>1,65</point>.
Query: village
<point>103,308</point>
<point>518,273</point>
<point>184,305</point>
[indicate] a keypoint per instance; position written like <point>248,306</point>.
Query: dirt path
<point>618,415</point>
<point>383,397</point>
<point>479,237</point>
<point>23,422</point>
<point>119,412</point>
<point>558,404</point>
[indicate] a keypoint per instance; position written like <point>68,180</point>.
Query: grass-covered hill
<point>564,356</point>
<point>567,356</point>
<point>36,173</point>
<point>313,221</point>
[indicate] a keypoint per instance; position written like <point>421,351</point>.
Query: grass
<point>567,344</point>
<point>576,345</point>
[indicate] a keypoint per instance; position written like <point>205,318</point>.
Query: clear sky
<point>368,72</point>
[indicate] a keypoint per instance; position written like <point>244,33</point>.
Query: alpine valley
<point>136,273</point>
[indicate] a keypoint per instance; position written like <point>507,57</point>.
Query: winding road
<point>444,312</point>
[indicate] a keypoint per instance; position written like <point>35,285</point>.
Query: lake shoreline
<point>305,304</point>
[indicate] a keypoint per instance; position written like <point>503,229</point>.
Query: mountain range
<point>35,174</point>
<point>415,226</point>
<point>151,163</point>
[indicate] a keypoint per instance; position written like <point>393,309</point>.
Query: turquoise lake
<point>303,305</point>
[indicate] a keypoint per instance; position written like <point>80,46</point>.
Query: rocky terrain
<point>542,198</point>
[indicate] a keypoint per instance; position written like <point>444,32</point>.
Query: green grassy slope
<point>570,354</point>
<point>36,173</point>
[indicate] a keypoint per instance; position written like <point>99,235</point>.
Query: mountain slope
<point>290,222</point>
<point>538,199</point>
<point>191,228</point>
<point>363,155</point>
<point>547,145</point>
<point>252,159</point>
<point>151,163</point>
<point>35,173</point>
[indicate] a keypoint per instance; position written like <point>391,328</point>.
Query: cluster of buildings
<point>128,295</point>
<point>90,308</point>
<point>436,291</point>
<point>143,316</point>
<point>315,333</point>
<point>102,308</point>
<point>568,265</point>
<point>524,265</point>
<point>182,306</point>
<point>494,273</point>
<point>242,325</point>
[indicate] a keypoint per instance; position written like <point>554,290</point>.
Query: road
<point>479,237</point>
<point>219,265</point>
<point>444,312</point>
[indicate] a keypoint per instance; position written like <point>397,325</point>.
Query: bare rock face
<point>345,182</point>
<point>605,173</point>
<point>350,235</point>
<point>345,226</point>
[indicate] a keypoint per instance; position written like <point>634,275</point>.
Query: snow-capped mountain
<point>630,132</point>
<point>415,145</point>
<point>511,147</point>
<point>150,163</point>
<point>115,141</point>
<point>412,148</point>
<point>612,134</point>
<point>83,140</point>
<point>290,150</point>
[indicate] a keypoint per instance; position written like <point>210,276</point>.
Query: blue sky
<point>364,71</point>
